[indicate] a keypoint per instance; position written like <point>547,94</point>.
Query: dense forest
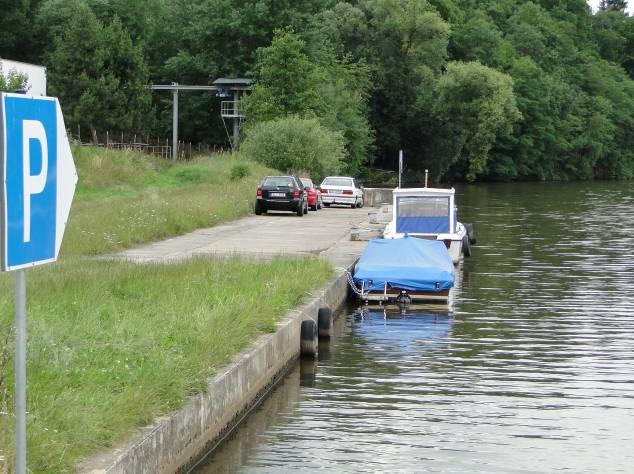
<point>471,89</point>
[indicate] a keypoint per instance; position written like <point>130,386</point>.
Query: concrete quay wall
<point>176,442</point>
<point>374,197</point>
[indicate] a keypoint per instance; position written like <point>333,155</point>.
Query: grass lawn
<point>113,345</point>
<point>124,199</point>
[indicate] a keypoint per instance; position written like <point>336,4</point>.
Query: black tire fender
<point>309,340</point>
<point>470,233</point>
<point>325,322</point>
<point>466,246</point>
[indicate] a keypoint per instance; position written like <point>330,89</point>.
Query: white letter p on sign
<point>33,184</point>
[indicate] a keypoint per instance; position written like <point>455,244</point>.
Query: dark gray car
<point>281,193</point>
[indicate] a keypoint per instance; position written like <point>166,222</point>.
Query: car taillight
<point>295,193</point>
<point>347,192</point>
<point>259,192</point>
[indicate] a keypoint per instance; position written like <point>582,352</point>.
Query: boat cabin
<point>424,211</point>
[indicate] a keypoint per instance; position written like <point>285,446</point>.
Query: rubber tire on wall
<point>466,246</point>
<point>470,233</point>
<point>325,322</point>
<point>309,340</point>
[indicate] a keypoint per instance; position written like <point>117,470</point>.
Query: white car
<point>341,190</point>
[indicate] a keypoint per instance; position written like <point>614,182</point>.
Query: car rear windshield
<point>307,182</point>
<point>337,182</point>
<point>279,181</point>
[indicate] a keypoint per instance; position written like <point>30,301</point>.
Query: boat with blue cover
<point>404,270</point>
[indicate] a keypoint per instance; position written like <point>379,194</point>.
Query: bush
<point>290,144</point>
<point>239,172</point>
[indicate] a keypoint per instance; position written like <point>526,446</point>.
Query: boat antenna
<point>426,174</point>
<point>400,166</point>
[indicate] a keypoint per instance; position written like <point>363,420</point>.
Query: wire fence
<point>156,146</point>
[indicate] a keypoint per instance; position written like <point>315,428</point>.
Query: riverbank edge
<point>175,442</point>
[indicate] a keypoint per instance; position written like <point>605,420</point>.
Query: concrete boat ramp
<point>325,234</point>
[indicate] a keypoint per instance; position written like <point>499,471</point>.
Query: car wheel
<point>354,205</point>
<point>300,210</point>
<point>320,204</point>
<point>314,207</point>
<point>327,204</point>
<point>360,203</point>
<point>259,209</point>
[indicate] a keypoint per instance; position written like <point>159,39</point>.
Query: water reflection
<point>401,331</point>
<point>530,371</point>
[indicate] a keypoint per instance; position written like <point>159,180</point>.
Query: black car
<point>281,193</point>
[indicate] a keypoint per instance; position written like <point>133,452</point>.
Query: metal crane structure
<point>229,109</point>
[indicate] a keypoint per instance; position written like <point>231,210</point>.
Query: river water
<point>530,371</point>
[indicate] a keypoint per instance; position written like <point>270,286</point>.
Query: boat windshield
<point>423,214</point>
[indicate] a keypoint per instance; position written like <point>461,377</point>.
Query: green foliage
<point>128,198</point>
<point>98,74</point>
<point>17,33</point>
<point>239,172</point>
<point>475,104</point>
<point>292,83</point>
<point>287,83</point>
<point>12,81</point>
<point>292,144</point>
<point>613,5</point>
<point>368,69</point>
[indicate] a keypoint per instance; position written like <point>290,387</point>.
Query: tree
<point>406,48</point>
<point>294,144</point>
<point>474,105</point>
<point>614,5</point>
<point>12,81</point>
<point>98,74</point>
<point>479,39</point>
<point>286,81</point>
<point>17,32</point>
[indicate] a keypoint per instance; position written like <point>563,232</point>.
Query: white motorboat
<point>430,213</point>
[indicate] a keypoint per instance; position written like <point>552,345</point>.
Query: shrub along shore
<point>103,334</point>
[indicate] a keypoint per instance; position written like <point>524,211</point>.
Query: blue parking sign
<point>31,146</point>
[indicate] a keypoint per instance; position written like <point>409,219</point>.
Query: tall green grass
<point>125,198</point>
<point>114,345</point>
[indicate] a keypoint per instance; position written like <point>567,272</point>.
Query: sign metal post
<point>20,371</point>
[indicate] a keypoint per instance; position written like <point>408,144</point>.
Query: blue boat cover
<point>409,263</point>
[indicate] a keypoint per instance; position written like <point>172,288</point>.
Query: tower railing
<point>231,109</point>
